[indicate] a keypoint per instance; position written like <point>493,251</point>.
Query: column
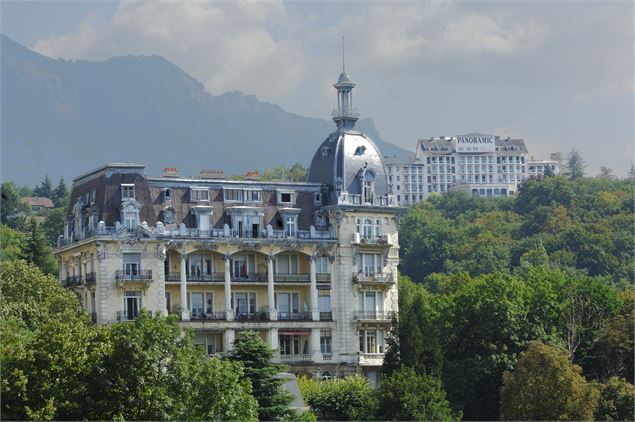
<point>160,278</point>
<point>229,339</point>
<point>314,293</point>
<point>228,292</point>
<point>273,314</point>
<point>273,339</point>
<point>315,345</point>
<point>185,312</point>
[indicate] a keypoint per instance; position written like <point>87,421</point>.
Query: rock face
<point>63,118</point>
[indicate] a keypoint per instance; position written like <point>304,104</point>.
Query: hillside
<point>66,117</point>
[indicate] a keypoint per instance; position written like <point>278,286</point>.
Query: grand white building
<point>478,164</point>
<point>311,266</point>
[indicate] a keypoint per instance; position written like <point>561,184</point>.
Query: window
<point>286,264</point>
<point>233,194</point>
<point>317,198</point>
<point>290,222</point>
<point>368,191</point>
<point>370,301</point>
<point>243,265</point>
<point>199,194</point>
<point>168,301</point>
<point>199,264</point>
<point>286,197</point>
<point>322,264</point>
<point>196,304</point>
<point>371,341</point>
<point>130,220</point>
<point>287,304</point>
<point>369,264</point>
<point>131,304</point>
<point>207,341</point>
<point>289,345</point>
<point>325,342</point>
<point>127,191</point>
<point>244,304</point>
<point>131,263</point>
<point>167,194</point>
<point>324,301</point>
<point>253,195</point>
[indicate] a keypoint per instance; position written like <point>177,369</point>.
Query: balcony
<point>173,277</point>
<point>252,316</point>
<point>294,316</point>
<point>249,277</point>
<point>323,277</point>
<point>370,359</point>
<point>209,316</point>
<point>381,240</point>
<point>91,277</point>
<point>296,358</point>
<point>373,278</point>
<point>326,316</point>
<point>373,315</point>
<point>74,280</point>
<point>140,275</point>
<point>292,278</point>
<point>206,277</point>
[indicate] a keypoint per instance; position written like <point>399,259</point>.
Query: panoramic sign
<point>475,143</point>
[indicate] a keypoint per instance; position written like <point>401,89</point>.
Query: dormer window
<point>167,194</point>
<point>360,150</point>
<point>127,191</point>
<point>169,216</point>
<point>286,197</point>
<point>367,187</point>
<point>199,194</point>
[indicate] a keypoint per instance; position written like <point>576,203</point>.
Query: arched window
<point>368,180</point>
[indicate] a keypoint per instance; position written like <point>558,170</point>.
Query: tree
<point>13,243</point>
<point>545,386</point>
<point>37,249</point>
<point>392,358</point>
<point>45,188</point>
<point>575,164</point>
<point>406,396</point>
<point>341,399</point>
<point>606,172</point>
<point>11,207</point>
<point>53,226</point>
<point>631,173</point>
<point>61,194</point>
<point>47,346</point>
<point>535,256</point>
<point>617,400</point>
<point>298,173</point>
<point>151,371</point>
<point>256,357</point>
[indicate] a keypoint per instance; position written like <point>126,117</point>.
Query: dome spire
<point>345,115</point>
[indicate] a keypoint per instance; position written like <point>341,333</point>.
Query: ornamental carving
<point>249,246</point>
<point>205,246</point>
<point>291,245</point>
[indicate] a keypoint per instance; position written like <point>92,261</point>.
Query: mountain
<point>62,118</point>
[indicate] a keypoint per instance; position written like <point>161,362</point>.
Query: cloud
<point>227,45</point>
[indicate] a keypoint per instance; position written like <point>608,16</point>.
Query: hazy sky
<point>558,74</point>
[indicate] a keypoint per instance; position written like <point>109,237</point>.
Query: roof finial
<point>343,61</point>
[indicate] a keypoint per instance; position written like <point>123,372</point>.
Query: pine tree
<point>37,249</point>
<point>60,194</point>
<point>256,357</point>
<point>575,164</point>
<point>45,188</point>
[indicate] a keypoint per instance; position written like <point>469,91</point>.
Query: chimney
<point>170,172</point>
<point>212,174</point>
<point>252,175</point>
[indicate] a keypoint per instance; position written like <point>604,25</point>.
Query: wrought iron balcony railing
<point>252,316</point>
<point>91,277</point>
<point>296,358</point>
<point>139,275</point>
<point>372,315</point>
<point>292,278</point>
<point>209,316</point>
<point>294,316</point>
<point>217,276</point>
<point>249,277</point>
<point>125,316</point>
<point>323,277</point>
<point>373,277</point>
<point>326,316</point>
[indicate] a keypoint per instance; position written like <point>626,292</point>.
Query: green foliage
<point>295,173</point>
<point>37,249</point>
<point>44,188</point>
<point>406,396</point>
<point>342,399</point>
<point>61,194</point>
<point>392,358</point>
<point>47,346</point>
<point>545,386</point>
<point>575,164</point>
<point>617,401</point>
<point>152,372</point>
<point>12,243</point>
<point>53,226</point>
<point>11,207</point>
<point>256,357</point>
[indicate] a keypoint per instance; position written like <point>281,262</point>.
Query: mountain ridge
<point>64,117</point>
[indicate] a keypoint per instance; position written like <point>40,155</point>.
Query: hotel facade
<point>477,164</point>
<point>311,266</point>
